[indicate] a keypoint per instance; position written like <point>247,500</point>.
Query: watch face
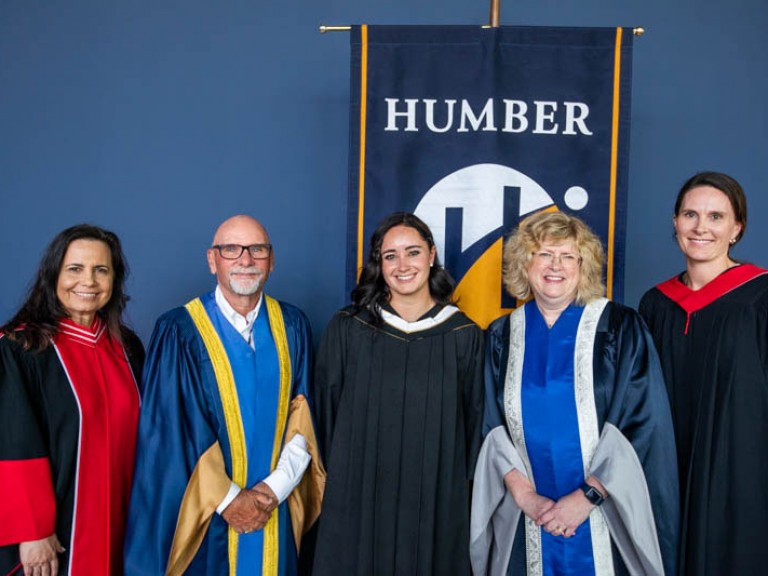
<point>592,494</point>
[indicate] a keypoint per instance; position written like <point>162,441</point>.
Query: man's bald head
<point>237,226</point>
<point>241,279</point>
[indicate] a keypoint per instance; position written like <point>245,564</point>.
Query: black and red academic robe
<point>713,345</point>
<point>68,418</point>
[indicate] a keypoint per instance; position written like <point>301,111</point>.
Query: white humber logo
<point>482,194</point>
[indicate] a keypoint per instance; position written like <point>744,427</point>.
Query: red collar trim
<point>89,336</point>
<point>694,300</point>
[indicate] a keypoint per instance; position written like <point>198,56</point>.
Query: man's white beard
<point>245,287</point>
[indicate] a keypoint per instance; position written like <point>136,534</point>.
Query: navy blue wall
<point>158,119</point>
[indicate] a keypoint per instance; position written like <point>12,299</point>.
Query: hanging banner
<point>473,129</point>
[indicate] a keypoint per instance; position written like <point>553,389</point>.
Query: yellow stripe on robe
<point>225,380</point>
<point>270,560</point>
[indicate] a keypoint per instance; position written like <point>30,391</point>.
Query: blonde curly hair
<point>543,227</point>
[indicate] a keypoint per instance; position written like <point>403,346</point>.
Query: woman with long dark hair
<point>69,405</point>
<point>398,391</point>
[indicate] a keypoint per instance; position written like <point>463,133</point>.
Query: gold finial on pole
<point>324,29</point>
<point>495,13</point>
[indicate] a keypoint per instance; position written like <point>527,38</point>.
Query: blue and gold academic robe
<point>218,411</point>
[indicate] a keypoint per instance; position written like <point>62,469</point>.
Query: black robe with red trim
<point>68,418</point>
<point>713,345</point>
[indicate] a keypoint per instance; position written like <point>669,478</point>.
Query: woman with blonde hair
<point>576,475</point>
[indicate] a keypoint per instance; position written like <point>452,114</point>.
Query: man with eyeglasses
<point>228,476</point>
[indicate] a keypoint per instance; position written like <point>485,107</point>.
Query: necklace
<point>549,316</point>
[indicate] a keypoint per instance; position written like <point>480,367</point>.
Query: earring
<point>431,264</point>
<point>733,241</point>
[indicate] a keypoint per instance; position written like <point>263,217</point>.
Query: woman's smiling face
<point>405,262</point>
<point>705,225</point>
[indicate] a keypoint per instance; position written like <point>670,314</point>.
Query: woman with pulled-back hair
<point>69,407</point>
<point>710,325</point>
<point>398,393</point>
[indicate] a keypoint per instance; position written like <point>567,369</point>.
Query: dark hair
<point>372,292</point>
<point>41,312</point>
<point>728,186</point>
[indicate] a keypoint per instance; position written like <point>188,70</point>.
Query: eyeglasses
<point>566,260</point>
<point>234,251</point>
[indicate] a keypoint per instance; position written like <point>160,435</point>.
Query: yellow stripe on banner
<point>614,163</point>
<point>225,380</point>
<point>277,326</point>
<point>361,168</point>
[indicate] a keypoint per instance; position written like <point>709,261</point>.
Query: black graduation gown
<point>716,370</point>
<point>399,417</point>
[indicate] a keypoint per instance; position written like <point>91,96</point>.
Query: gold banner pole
<point>637,31</point>
<point>495,19</point>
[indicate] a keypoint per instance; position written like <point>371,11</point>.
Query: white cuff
<point>234,490</point>
<point>294,460</point>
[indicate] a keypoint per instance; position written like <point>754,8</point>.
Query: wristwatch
<point>593,494</point>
